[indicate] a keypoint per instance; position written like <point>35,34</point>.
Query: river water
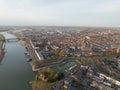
<point>15,72</point>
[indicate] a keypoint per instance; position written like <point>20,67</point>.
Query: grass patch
<point>41,85</point>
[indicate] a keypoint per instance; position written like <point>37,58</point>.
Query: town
<point>73,58</point>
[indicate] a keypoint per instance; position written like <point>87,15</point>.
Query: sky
<point>60,12</point>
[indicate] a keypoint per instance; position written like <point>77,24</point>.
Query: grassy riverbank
<point>15,34</point>
<point>1,42</point>
<point>1,49</point>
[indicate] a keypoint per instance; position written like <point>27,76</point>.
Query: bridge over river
<point>10,40</point>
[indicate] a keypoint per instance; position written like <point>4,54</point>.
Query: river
<point>15,72</point>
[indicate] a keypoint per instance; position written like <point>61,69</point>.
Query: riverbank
<point>35,84</point>
<point>1,54</point>
<point>24,44</point>
<point>2,38</point>
<point>15,34</point>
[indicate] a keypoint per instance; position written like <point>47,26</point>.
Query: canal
<point>15,72</point>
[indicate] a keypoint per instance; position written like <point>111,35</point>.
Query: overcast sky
<point>60,12</point>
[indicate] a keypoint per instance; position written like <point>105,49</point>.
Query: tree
<point>62,53</point>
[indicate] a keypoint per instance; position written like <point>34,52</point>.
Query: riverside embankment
<point>2,42</point>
